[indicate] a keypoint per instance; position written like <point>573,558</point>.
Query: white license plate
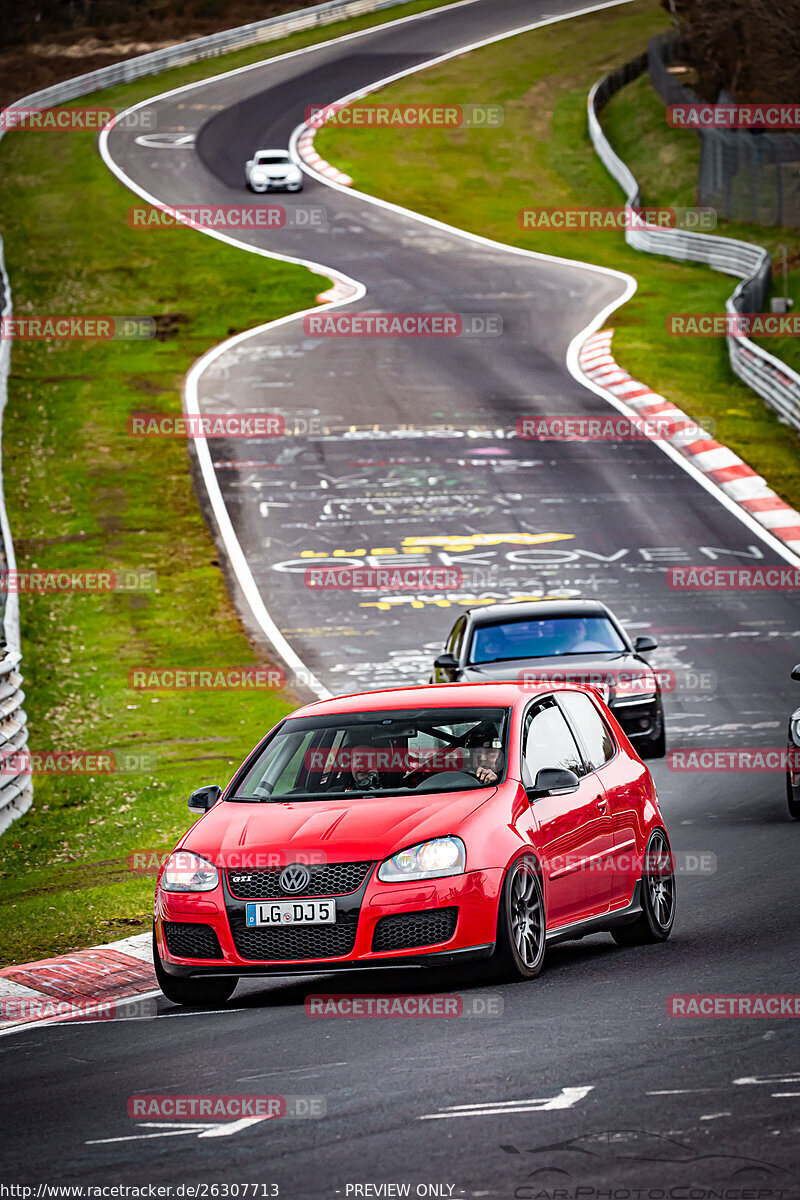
<point>292,912</point>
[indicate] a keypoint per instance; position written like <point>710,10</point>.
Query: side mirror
<point>446,662</point>
<point>205,797</point>
<point>553,781</point>
<point>645,643</point>
<point>796,672</point>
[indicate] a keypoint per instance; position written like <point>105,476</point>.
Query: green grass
<point>83,494</point>
<point>542,157</point>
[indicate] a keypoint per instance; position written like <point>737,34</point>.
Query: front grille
<point>330,879</point>
<point>404,931</point>
<point>190,940</point>
<point>265,944</point>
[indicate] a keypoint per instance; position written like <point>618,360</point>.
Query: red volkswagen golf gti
<point>419,826</point>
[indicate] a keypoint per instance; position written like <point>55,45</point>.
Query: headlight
<point>187,872</point>
<point>260,176</point>
<point>428,860</point>
<point>642,685</point>
<point>794,728</point>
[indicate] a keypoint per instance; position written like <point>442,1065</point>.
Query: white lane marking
<point>202,1129</point>
<point>784,1095</point>
<point>166,141</point>
<point>682,1091</point>
<point>793,1077</point>
<point>714,1116</point>
<point>568,1097</point>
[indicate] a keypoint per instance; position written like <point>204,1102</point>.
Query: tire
<point>521,924</point>
<point>654,924</point>
<point>657,748</point>
<point>792,804</point>
<point>193,993</point>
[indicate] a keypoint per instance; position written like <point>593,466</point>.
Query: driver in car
<point>487,754</point>
<point>362,769</point>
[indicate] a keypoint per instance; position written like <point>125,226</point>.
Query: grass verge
<point>83,494</point>
<point>542,157</point>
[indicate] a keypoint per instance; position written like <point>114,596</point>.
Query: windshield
<point>380,753</point>
<point>267,159</point>
<point>544,637</point>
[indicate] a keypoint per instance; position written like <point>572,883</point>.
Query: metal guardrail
<point>210,46</point>
<point>777,383</point>
<point>16,789</point>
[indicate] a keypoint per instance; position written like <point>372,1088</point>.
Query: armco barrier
<point>210,46</point>
<point>16,791</point>
<point>764,373</point>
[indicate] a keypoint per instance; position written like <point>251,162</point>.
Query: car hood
<point>273,169</point>
<point>355,831</point>
<point>562,668</point>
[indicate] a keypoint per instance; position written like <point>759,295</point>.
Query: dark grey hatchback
<point>570,641</point>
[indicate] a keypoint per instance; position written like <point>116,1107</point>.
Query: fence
<point>16,790</point>
<point>777,383</point>
<point>745,175</point>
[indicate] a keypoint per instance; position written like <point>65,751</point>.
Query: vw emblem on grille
<point>295,878</point>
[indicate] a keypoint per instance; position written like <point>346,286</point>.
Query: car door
<point>572,830</point>
<point>621,779</point>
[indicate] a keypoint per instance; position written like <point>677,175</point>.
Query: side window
<point>457,637</point>
<point>548,741</point>
<point>599,742</point>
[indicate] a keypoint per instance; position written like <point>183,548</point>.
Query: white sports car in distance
<point>273,169</point>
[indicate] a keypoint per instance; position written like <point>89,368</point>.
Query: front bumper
<point>475,895</point>
<point>641,720</point>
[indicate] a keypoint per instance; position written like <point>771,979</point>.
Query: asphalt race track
<point>405,446</point>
